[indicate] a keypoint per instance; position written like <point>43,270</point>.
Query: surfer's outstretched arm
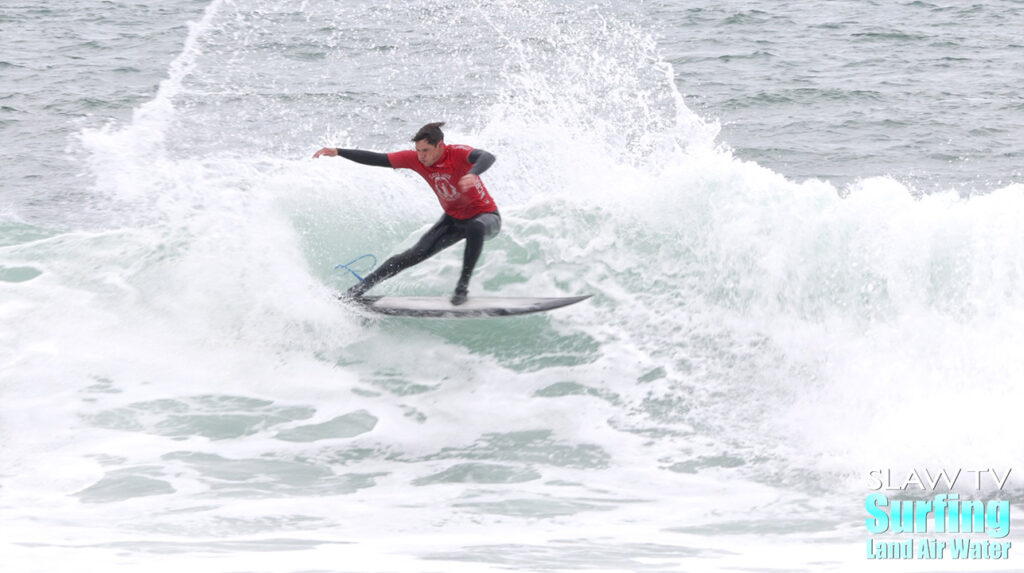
<point>358,155</point>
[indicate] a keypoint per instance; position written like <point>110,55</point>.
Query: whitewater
<point>800,223</point>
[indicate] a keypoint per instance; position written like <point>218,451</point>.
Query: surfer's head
<point>429,142</point>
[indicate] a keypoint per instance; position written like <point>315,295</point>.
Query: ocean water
<point>800,222</point>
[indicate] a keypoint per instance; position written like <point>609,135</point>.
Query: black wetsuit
<point>446,232</point>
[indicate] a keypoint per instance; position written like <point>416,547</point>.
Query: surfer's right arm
<point>358,155</point>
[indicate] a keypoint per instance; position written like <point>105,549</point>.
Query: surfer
<point>453,172</point>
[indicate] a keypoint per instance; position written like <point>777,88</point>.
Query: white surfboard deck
<point>480,306</point>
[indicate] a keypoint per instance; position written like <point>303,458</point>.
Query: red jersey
<point>443,177</point>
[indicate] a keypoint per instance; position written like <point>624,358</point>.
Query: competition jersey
<point>443,177</point>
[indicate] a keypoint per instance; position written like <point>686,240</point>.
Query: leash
<point>348,266</point>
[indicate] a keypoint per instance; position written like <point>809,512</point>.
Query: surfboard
<point>480,306</point>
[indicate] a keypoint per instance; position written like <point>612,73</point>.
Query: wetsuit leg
<point>476,230</point>
<point>443,234</point>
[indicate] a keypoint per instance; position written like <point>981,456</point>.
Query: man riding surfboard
<point>453,173</point>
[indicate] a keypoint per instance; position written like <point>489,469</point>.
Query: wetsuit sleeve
<point>481,161</point>
<point>365,157</point>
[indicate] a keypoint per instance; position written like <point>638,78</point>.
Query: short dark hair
<point>431,132</point>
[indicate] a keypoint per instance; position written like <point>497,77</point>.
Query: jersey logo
<point>442,184</point>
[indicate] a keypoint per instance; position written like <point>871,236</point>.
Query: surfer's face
<point>429,154</point>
